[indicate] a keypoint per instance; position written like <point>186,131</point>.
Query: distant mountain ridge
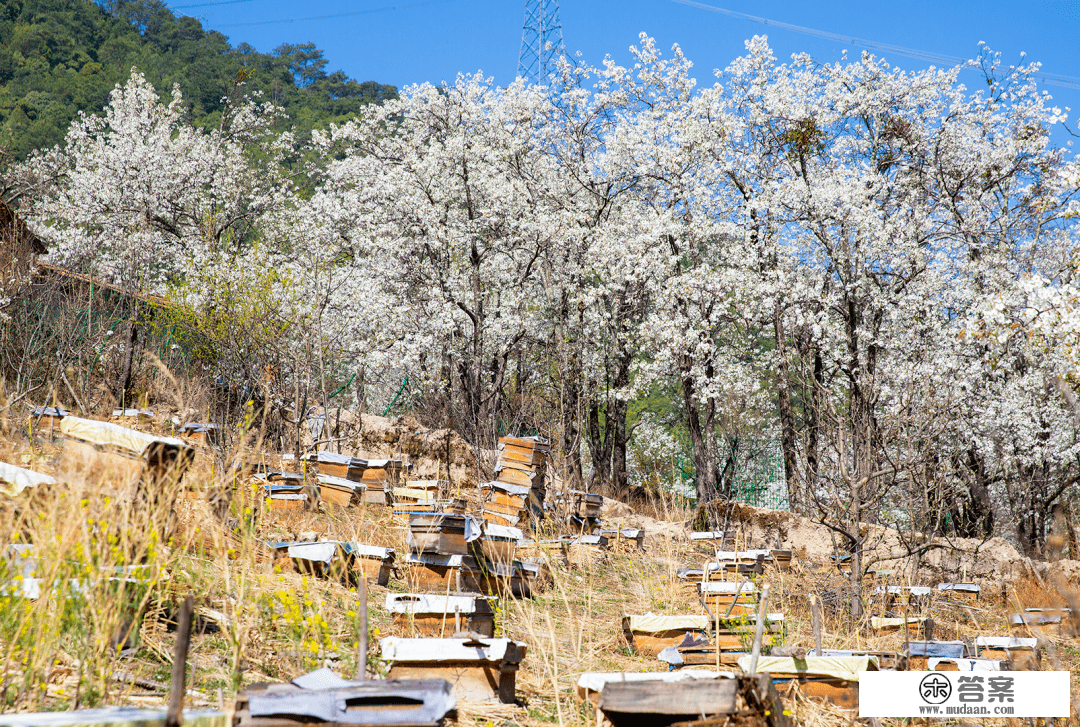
<point>59,57</point>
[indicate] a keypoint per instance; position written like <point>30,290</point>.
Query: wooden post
<point>717,632</point>
<point>175,711</point>
<point>907,634</point>
<point>815,619</point>
<point>738,590</point>
<point>361,649</point>
<point>759,629</point>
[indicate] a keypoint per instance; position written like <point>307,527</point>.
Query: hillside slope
<point>60,57</point>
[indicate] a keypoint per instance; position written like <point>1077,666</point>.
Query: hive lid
<point>399,649</point>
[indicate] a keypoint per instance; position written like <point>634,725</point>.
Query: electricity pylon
<point>541,40</point>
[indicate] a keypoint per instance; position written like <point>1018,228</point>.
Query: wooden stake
<point>759,629</point>
<point>717,619</point>
<point>361,649</point>
<point>815,620</point>
<point>174,716</point>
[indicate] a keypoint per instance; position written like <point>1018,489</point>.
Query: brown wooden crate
<point>839,692</point>
<point>436,579</point>
<point>653,642</point>
<point>337,495</point>
<point>650,702</point>
<point>477,682</point>
<point>517,477</point>
<point>375,570</point>
<point>445,543</point>
<point>375,497</point>
<point>442,625</point>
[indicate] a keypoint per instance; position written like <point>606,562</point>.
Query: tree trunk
<point>570,394</point>
<point>700,423</point>
<point>599,446</point>
<point>123,394</point>
<point>787,416</point>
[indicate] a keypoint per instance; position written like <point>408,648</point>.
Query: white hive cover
<point>841,667</point>
<point>107,433</point>
<point>14,480</point>
<point>398,649</point>
<point>429,603</point>
<point>594,681</point>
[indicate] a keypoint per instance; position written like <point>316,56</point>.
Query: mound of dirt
<point>989,562</point>
<point>403,437</point>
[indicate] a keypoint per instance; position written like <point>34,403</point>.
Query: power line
<point>1049,78</point>
<point>203,5</point>
<point>335,15</point>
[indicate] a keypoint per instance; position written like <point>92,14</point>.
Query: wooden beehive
<point>441,573</point>
<point>643,700</point>
<point>885,625</point>
<point>832,679</point>
<point>340,491</point>
<point>338,465</point>
<point>478,671</point>
<point>446,533</point>
<point>649,634</point>
<point>45,421</point>
<point>586,551</point>
<point>430,614</point>
<point>136,464</point>
<point>919,652</point>
<point>374,562</point>
<point>960,592</point>
<point>729,597</point>
<point>1022,654</point>
<point>204,434</point>
<point>1054,622</point>
<point>499,543</point>
<point>322,699</point>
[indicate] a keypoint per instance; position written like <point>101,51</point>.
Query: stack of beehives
<point>380,477</point>
<point>516,497</point>
<point>581,509</point>
<point>339,477</point>
<point>426,496</point>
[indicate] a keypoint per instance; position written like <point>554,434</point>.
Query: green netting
<point>751,471</point>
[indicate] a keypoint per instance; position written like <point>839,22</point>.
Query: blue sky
<point>433,42</point>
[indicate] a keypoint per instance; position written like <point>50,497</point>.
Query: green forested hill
<point>58,57</point>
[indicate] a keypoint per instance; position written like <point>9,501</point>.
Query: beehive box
<point>338,465</point>
<point>499,543</point>
<point>626,539</point>
<point>961,592</point>
<point>586,551</point>
<point>920,652</point>
<point>831,679</point>
<point>729,597</point>
<point>478,671</point>
<point>1021,654</point>
<point>45,421</point>
<point>1054,622</point>
<point>340,491</point>
<point>138,465</point>
<point>322,699</point>
<point>373,562</point>
<point>440,616</point>
<point>649,634</point>
<point>204,434</point>
<point>538,551</point>
<point>442,573</point>
<point>446,533</point>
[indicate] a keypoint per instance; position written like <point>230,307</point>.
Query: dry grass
<point>259,621</point>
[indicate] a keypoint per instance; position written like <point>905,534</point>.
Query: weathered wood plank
<point>693,699</point>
